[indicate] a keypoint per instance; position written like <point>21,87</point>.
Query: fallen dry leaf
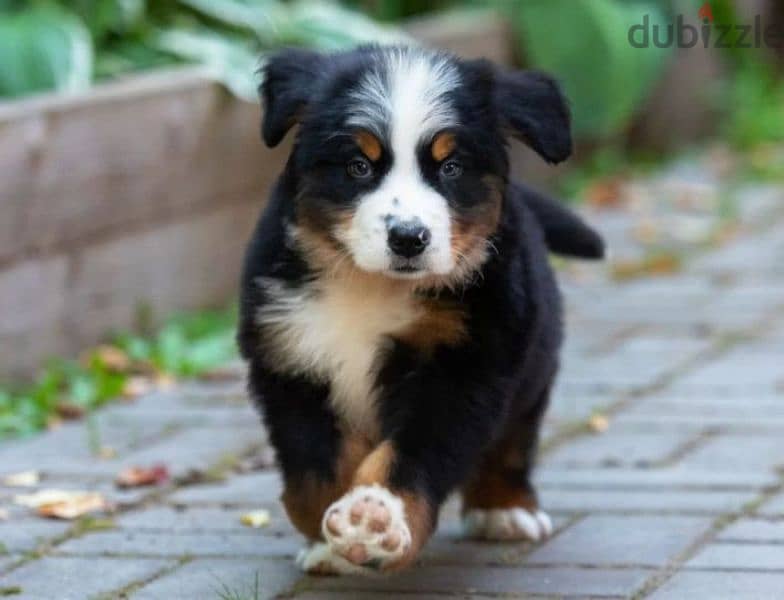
<point>256,518</point>
<point>142,476</point>
<point>113,358</point>
<point>606,193</point>
<point>4,514</point>
<point>69,411</point>
<point>137,386</point>
<point>656,264</point>
<point>63,504</point>
<point>23,479</point>
<point>107,452</point>
<point>598,423</point>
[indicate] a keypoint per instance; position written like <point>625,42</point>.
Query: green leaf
<point>103,17</point>
<point>605,77</point>
<point>44,48</point>
<point>230,59</point>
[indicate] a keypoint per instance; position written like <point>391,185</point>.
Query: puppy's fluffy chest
<point>336,332</point>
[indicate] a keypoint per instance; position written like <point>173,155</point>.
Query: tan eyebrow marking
<point>369,145</point>
<point>443,145</point>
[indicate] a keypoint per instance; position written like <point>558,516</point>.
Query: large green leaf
<point>230,59</point>
<point>41,49</point>
<point>585,44</point>
<point>103,17</point>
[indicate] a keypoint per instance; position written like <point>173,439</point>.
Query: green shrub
<point>64,45</point>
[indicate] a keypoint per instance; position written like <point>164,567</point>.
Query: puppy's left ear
<point>533,109</point>
<point>289,79</point>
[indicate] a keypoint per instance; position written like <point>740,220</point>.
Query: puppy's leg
<point>377,525</point>
<point>318,460</point>
<point>499,501</point>
<point>392,508</point>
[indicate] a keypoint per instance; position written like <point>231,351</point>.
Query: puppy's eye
<point>359,168</point>
<point>451,169</point>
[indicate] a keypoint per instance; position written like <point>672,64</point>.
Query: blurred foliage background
<point>67,45</point>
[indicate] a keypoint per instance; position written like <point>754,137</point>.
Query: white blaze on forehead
<point>404,101</point>
<point>405,93</point>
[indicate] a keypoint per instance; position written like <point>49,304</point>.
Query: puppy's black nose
<point>408,238</point>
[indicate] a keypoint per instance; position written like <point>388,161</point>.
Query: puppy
<point>398,315</point>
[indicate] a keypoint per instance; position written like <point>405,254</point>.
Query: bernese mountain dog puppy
<point>399,317</point>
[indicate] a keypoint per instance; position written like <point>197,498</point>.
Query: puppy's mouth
<point>406,269</point>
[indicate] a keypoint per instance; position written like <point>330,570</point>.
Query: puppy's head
<point>400,163</point>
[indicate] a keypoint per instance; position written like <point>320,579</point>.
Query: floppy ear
<point>289,79</point>
<point>534,110</point>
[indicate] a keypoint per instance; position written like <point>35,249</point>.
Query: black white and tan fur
<point>399,317</point>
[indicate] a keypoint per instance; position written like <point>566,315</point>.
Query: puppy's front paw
<point>508,524</point>
<point>367,527</point>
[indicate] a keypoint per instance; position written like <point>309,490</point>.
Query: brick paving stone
<point>617,448</point>
<point>636,363</point>
<point>716,585</point>
<point>691,501</point>
<point>118,543</point>
<point>494,580</point>
<point>6,560</point>
<point>773,507</point>
<point>199,520</point>
<point>759,253</point>
<point>734,451</point>
<point>448,547</point>
<point>258,489</point>
<point>197,448</point>
<point>648,541</point>
<point>754,557</point>
<point>753,530</point>
<point>179,418</point>
<point>24,535</point>
<point>69,578</point>
<point>670,477</point>
<point>727,409</point>
<point>208,579</point>
<point>738,370</point>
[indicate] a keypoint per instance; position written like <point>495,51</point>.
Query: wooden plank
<point>95,170</point>
<point>186,265</point>
<point>32,305</point>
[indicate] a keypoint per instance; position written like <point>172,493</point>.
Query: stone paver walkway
<point>680,496</point>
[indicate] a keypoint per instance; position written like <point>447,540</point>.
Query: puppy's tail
<point>564,231</point>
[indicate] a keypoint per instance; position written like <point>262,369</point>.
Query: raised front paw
<point>508,524</point>
<point>367,527</point>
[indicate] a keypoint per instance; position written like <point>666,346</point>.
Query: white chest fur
<point>335,331</point>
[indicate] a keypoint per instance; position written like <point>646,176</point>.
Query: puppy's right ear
<point>289,79</point>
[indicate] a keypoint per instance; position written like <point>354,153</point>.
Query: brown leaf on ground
<point>63,504</point>
<point>656,264</point>
<point>605,193</point>
<point>142,476</point>
<point>106,452</point>
<point>137,386</point>
<point>22,479</point>
<point>113,358</point>
<point>69,411</point>
<point>598,423</point>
